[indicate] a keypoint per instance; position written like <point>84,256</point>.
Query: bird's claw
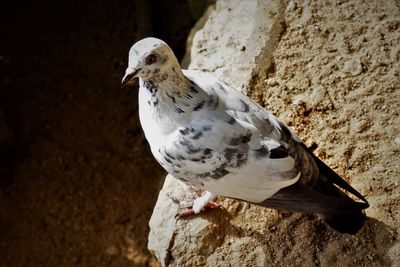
<point>186,204</point>
<point>190,211</point>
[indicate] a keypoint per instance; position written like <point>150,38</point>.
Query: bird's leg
<point>206,200</point>
<point>194,204</point>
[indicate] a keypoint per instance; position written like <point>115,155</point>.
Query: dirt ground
<point>79,185</point>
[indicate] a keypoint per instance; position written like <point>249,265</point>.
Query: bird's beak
<point>130,74</point>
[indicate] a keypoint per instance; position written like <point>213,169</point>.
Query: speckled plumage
<point>207,134</point>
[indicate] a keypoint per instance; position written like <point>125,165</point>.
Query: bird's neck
<point>170,99</point>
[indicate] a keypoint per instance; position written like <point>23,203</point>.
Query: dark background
<point>77,181</point>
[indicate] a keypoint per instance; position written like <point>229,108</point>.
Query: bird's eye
<point>150,59</point>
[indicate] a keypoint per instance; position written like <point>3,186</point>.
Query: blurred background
<point>77,181</point>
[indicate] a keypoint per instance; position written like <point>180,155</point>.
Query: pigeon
<point>209,135</point>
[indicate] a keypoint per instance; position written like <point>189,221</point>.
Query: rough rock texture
<point>331,71</point>
<point>244,31</point>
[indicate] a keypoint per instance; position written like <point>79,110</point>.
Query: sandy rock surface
<point>331,72</point>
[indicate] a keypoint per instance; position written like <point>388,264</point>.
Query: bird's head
<point>149,58</point>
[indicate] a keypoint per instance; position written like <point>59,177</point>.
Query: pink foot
<point>195,203</point>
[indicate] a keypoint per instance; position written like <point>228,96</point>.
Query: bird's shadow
<point>308,239</point>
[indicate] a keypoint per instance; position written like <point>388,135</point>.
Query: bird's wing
<point>212,140</point>
<point>243,108</point>
<point>238,139</point>
<point>228,157</point>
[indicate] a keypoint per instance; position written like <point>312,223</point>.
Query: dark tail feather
<point>345,223</point>
<point>324,197</point>
<point>350,217</point>
<point>332,176</point>
<point>339,211</point>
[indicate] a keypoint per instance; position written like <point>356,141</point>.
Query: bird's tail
<point>347,216</point>
<point>340,211</point>
<point>351,218</point>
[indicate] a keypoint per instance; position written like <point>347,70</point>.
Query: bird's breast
<point>158,122</point>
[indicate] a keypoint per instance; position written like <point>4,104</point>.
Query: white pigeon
<point>211,136</point>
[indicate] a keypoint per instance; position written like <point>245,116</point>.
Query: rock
<point>180,242</point>
<point>272,82</point>
<point>317,95</point>
<point>299,99</point>
<point>291,6</point>
<point>185,62</point>
<point>397,140</point>
<point>352,67</point>
<point>255,25</point>
<point>196,241</point>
